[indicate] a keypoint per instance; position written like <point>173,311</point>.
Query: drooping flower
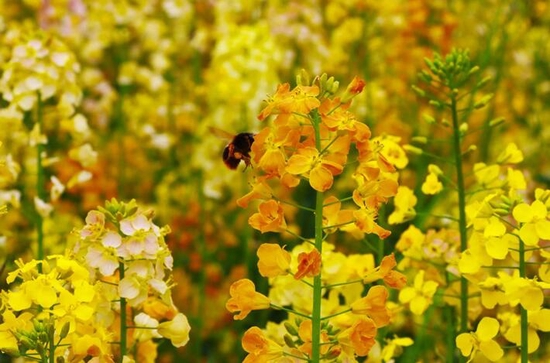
<point>360,336</point>
<point>273,260</point>
<point>244,299</point>
<point>374,306</point>
<point>177,330</point>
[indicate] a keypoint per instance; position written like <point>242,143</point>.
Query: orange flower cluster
<point>310,138</point>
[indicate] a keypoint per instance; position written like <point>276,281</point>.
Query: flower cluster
<point>59,312</point>
<point>124,248</point>
<point>75,306</point>
<point>309,140</point>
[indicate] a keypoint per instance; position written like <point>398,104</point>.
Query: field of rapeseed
<point>274,181</point>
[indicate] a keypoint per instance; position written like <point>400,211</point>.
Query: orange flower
<point>309,163</point>
<point>305,99</point>
<point>309,264</point>
<point>374,188</point>
<point>334,216</point>
<point>365,221</point>
<point>385,271</point>
<point>277,101</point>
<point>354,88</point>
<point>259,348</point>
<point>273,260</point>
<point>269,147</point>
<point>374,305</point>
<point>270,217</point>
<point>304,332</point>
<point>244,298</point>
<point>260,190</point>
<point>360,336</point>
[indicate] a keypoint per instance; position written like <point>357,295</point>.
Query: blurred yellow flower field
<point>274,181</point>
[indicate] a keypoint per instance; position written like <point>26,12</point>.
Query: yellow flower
<point>420,296</point>
<point>404,203</point>
<point>259,348</point>
<point>308,162</point>
<point>510,155</point>
<point>482,341</point>
<point>534,222</point>
<point>244,299</point>
<point>393,347</point>
<point>431,185</point>
<point>177,330</point>
<point>273,260</point>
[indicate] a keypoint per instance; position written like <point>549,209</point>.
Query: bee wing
<point>222,134</point>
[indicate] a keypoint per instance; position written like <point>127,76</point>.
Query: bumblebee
<point>237,149</point>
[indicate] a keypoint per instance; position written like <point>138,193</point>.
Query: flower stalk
<point>461,189</point>
<point>123,326</point>
<point>40,183</point>
<point>317,287</point>
<point>524,323</point>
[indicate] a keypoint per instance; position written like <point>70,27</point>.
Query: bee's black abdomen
<point>229,160</point>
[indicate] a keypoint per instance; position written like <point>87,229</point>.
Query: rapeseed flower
<point>259,348</point>
<point>244,299</point>
<point>419,297</point>
<point>481,341</point>
<point>273,260</point>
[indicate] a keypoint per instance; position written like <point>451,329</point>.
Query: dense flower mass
<point>395,208</point>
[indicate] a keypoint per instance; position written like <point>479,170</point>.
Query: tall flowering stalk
<point>495,224</point>
<point>309,140</point>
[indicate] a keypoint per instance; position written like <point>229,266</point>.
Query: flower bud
<point>289,341</point>
<point>496,121</point>
<point>413,149</point>
<point>418,91</point>
<point>429,119</point>
<point>420,139</point>
<point>291,329</point>
<point>483,101</point>
<point>354,88</point>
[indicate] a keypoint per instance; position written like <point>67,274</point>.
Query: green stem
<point>462,212</point>
<point>524,324</point>
<point>317,287</point>
<point>40,184</point>
<point>123,327</point>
